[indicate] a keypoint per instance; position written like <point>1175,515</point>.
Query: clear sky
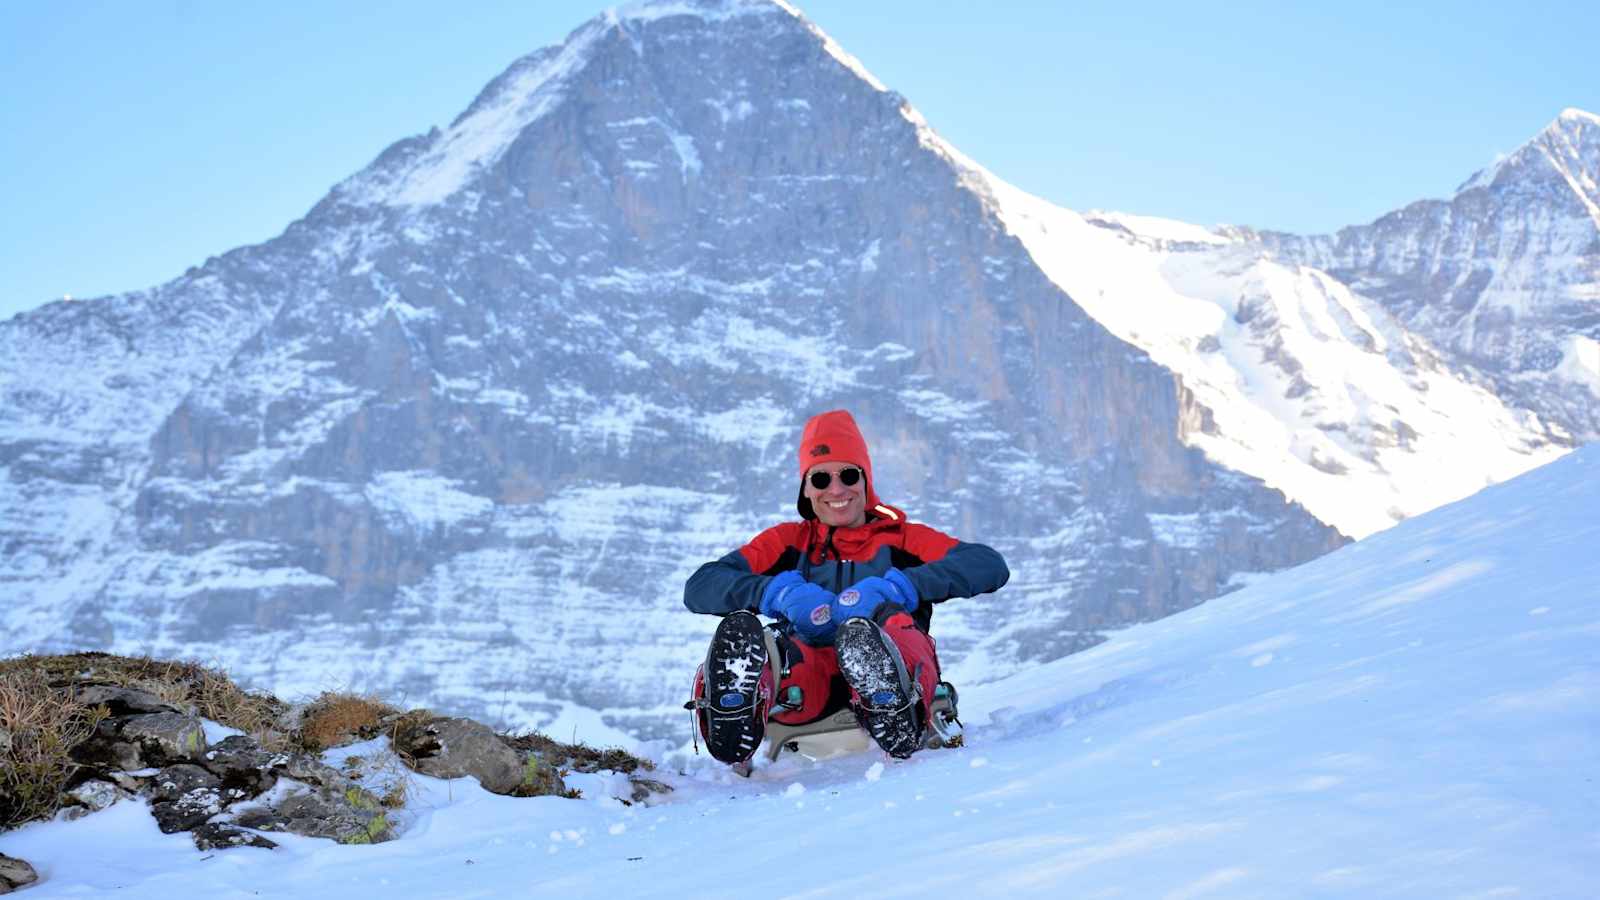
<point>138,138</point>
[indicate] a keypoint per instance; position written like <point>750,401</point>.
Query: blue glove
<point>806,606</point>
<point>864,597</point>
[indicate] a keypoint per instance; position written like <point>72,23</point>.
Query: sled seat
<point>841,732</point>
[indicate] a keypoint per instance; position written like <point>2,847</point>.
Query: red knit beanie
<point>833,437</point>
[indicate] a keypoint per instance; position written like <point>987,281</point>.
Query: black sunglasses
<point>848,477</point>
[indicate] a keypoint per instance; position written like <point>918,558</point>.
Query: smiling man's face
<point>838,504</point>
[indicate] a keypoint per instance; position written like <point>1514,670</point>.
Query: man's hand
<point>864,597</point>
<point>806,606</point>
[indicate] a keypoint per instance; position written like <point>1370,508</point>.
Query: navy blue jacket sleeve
<point>725,585</point>
<point>965,570</point>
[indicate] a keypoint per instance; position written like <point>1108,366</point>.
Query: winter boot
<point>886,697</point>
<point>733,692</point>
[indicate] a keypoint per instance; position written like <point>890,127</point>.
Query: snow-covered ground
<point>1416,715</point>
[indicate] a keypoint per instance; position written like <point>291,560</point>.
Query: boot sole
<point>735,721</point>
<point>887,698</point>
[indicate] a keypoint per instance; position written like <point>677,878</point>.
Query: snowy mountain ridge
<point>1409,716</point>
<point>1503,278</point>
<point>1298,380</point>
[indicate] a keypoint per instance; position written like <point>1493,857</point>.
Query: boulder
<point>453,748</point>
<point>15,873</point>
<point>221,836</point>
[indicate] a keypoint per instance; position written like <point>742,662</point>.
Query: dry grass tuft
<point>577,757</point>
<point>335,719</point>
<point>206,690</point>
<point>40,724</point>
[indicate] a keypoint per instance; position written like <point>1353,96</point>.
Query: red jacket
<point>938,565</point>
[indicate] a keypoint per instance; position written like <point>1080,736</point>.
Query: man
<point>852,587</point>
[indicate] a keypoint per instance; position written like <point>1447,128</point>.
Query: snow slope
<point>1414,715</point>
<point>1307,384</point>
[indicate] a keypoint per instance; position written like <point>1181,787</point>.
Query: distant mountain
<point>1504,277</point>
<point>1297,378</point>
<point>462,431</point>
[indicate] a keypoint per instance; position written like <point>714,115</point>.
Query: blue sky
<point>140,138</point>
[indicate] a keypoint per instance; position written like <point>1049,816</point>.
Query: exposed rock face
<point>1504,275</point>
<point>491,401</point>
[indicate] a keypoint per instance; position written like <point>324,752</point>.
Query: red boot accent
<point>919,652</point>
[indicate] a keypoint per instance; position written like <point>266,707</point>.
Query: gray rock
<point>221,836</point>
<point>5,741</point>
<point>133,784</point>
<point>108,750</point>
<point>96,795</point>
<point>455,748</point>
<point>139,741</point>
<point>349,816</point>
<point>646,790</point>
<point>187,811</point>
<point>242,765</point>
<point>176,781</point>
<point>184,796</point>
<point>307,768</point>
<point>15,873</point>
<point>166,737</point>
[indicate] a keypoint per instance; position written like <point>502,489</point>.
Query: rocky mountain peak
<point>632,44</point>
<point>1564,156</point>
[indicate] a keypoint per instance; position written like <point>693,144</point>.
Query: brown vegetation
<point>208,691</point>
<point>577,757</point>
<point>334,719</point>
<point>39,727</point>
